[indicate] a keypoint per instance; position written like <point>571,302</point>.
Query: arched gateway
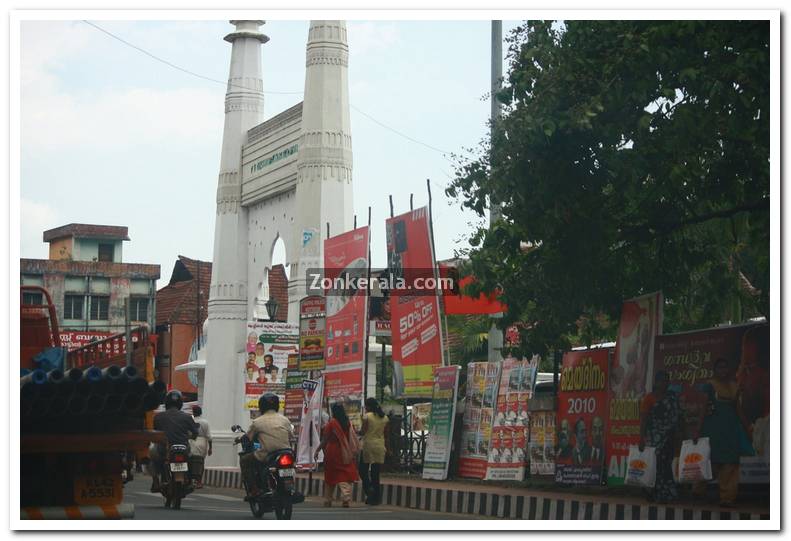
<point>285,177</point>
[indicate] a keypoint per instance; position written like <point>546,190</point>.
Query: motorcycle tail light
<point>285,461</point>
<point>179,458</point>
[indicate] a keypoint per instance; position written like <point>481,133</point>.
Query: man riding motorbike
<point>179,428</point>
<point>274,432</point>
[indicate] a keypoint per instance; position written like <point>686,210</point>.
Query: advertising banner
<point>507,458</point>
<point>631,378</point>
<point>443,413</point>
<point>345,261</point>
<point>421,417</point>
<point>295,396</point>
<point>312,333</point>
<point>582,416</point>
<point>688,359</point>
<point>482,384</point>
<point>310,427</point>
<point>542,443</point>
<point>414,310</point>
<point>269,345</point>
<point>72,340</point>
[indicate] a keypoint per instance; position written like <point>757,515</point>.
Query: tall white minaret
<point>244,108</point>
<point>324,164</point>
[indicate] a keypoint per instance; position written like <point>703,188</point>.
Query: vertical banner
<point>443,413</point>
<point>294,404</point>
<point>688,359</point>
<point>631,377</point>
<point>542,443</point>
<point>310,427</point>
<point>345,269</point>
<point>482,385</point>
<point>312,333</point>
<point>414,308</point>
<point>507,458</point>
<point>582,415</point>
<point>269,345</point>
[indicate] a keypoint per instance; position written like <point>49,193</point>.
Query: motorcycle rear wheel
<point>256,508</point>
<point>283,507</point>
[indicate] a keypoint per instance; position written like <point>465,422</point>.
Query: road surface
<point>212,503</point>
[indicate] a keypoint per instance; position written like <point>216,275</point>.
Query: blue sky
<point>111,136</point>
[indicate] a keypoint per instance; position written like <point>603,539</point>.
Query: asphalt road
<point>212,503</point>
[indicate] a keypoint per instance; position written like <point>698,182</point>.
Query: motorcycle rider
<point>274,432</point>
<point>179,428</point>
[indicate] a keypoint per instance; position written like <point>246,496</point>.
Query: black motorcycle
<point>275,478</point>
<point>175,481</point>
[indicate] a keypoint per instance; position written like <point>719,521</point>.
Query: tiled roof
<point>177,302</point>
<point>92,231</point>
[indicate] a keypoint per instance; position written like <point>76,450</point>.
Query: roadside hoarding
<point>443,414</point>
<point>542,443</point>
<point>345,261</point>
<point>414,310</point>
<point>295,396</point>
<point>507,458</point>
<point>630,377</point>
<point>269,345</point>
<point>688,359</point>
<point>312,333</point>
<point>482,384</point>
<point>582,417</point>
<point>311,424</point>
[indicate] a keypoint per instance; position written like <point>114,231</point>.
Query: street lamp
<point>271,308</point>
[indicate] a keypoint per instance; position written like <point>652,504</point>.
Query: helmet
<point>268,401</point>
<point>174,399</point>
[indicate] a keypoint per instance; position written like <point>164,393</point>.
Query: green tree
<point>633,156</point>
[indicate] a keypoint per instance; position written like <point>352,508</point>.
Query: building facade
<point>89,283</point>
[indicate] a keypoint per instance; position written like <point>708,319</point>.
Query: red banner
<point>416,331</point>
<point>582,417</point>
<point>463,304</point>
<point>630,377</point>
<point>345,260</point>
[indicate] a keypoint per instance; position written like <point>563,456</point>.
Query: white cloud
<point>35,218</point>
<point>112,120</point>
<point>371,36</point>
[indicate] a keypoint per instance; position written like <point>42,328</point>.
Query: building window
<point>139,308</point>
<point>32,298</point>
<point>72,306</point>
<point>106,252</point>
<point>100,308</point>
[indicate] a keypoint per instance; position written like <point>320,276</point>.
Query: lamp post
<point>271,308</point>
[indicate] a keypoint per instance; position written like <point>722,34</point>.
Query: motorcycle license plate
<point>288,472</point>
<point>98,490</point>
<point>178,466</point>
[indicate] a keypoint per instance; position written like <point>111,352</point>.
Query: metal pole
<point>128,329</point>
<point>391,205</point>
<point>367,308</point>
<point>411,197</point>
<point>495,341</point>
<point>380,379</point>
<point>435,269</point>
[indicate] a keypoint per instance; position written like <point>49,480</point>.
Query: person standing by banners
<point>340,445</point>
<point>374,450</point>
<point>200,447</point>
<point>660,417</point>
<point>725,429</point>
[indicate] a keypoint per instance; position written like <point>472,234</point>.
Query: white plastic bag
<point>641,467</point>
<point>694,464</point>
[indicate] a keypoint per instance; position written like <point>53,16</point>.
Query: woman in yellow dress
<point>374,450</point>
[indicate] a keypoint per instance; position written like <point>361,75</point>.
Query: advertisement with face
<point>266,368</point>
<point>312,333</point>
<point>582,411</point>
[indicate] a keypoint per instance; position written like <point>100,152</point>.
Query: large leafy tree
<point>632,156</point>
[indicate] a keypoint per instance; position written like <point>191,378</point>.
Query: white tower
<point>324,163</point>
<point>244,108</point>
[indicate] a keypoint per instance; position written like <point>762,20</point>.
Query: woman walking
<point>725,429</point>
<point>340,446</point>
<point>660,416</point>
<point>374,450</point>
